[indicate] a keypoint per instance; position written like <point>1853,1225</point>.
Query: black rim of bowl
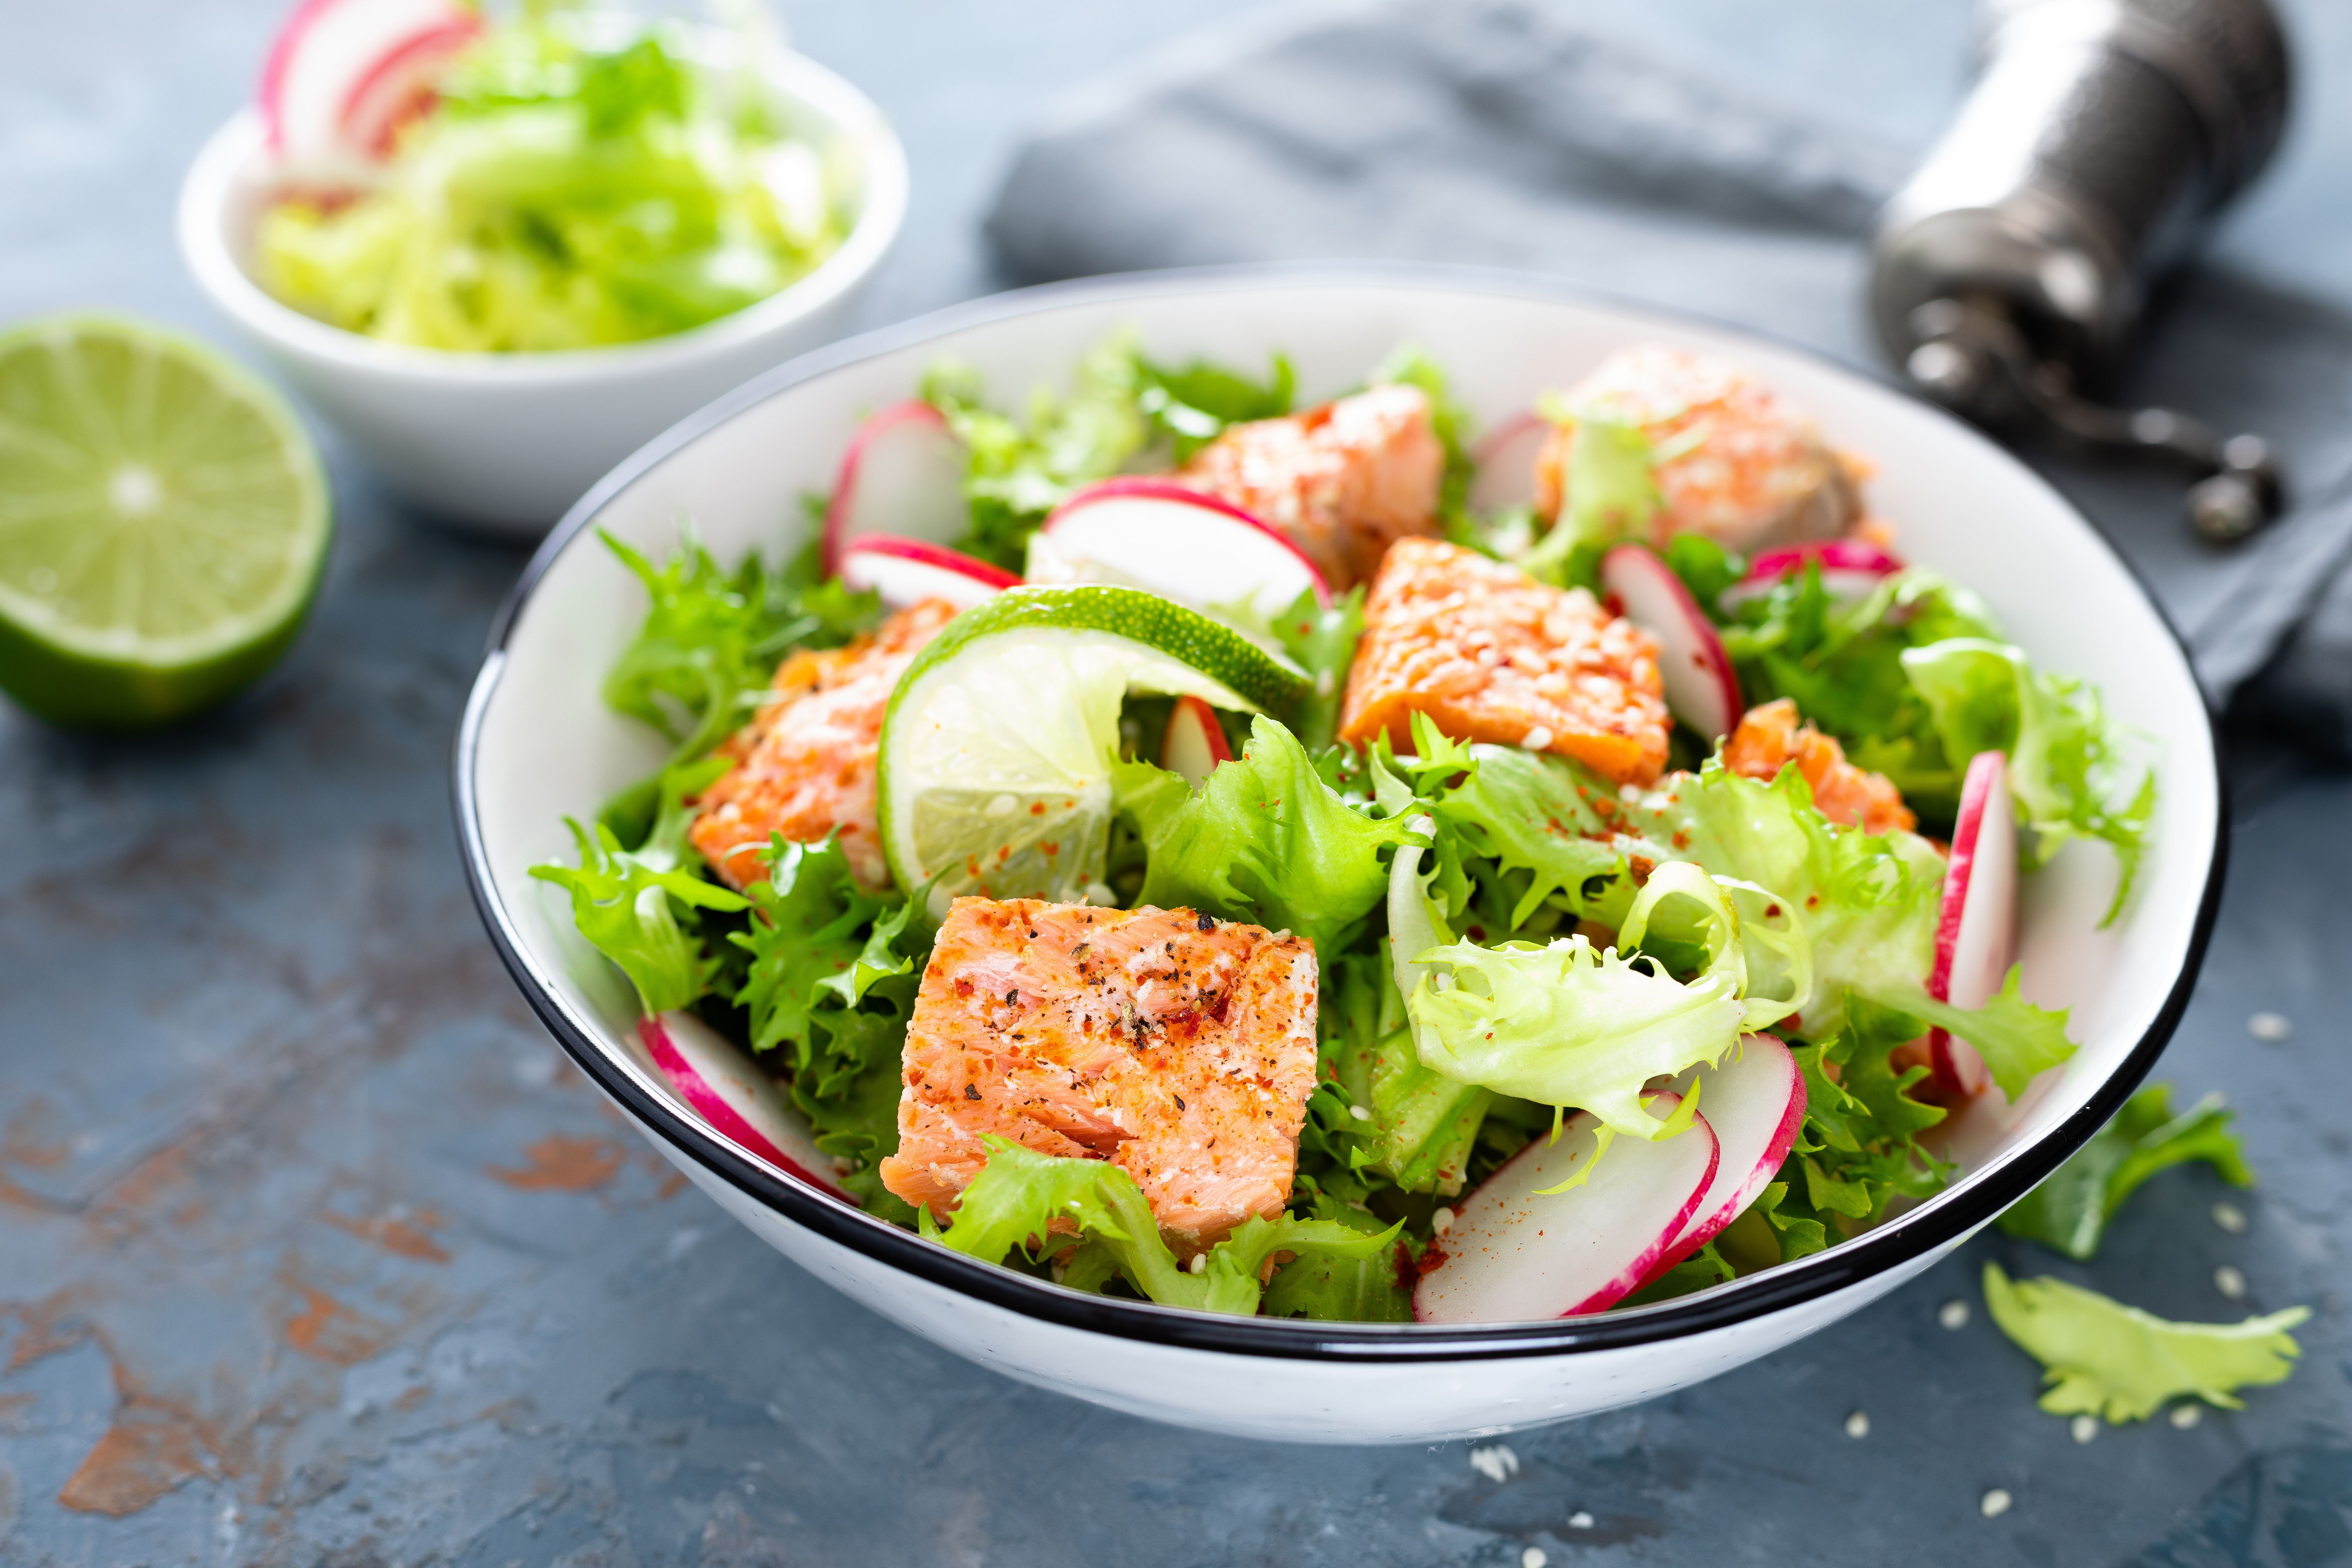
<point>1948,1217</point>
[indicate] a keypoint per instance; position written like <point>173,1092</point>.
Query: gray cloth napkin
<point>1497,132</point>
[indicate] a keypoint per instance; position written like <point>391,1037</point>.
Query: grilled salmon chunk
<point>1731,459</point>
<point>805,766</point>
<point>1490,653</point>
<point>1179,1047</point>
<point>1342,482</point>
<point>1770,738</point>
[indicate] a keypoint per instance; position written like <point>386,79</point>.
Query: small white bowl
<point>538,742</point>
<point>507,441</point>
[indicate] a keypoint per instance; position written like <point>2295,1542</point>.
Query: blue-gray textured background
<point>311,1251</point>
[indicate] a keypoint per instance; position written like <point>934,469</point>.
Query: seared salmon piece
<point>1770,738</point>
<point>1732,460</point>
<point>1342,482</point>
<point>805,766</point>
<point>1179,1047</point>
<point>1490,653</point>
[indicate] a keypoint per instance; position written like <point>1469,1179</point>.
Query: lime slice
<point>162,523</point>
<point>997,750</point>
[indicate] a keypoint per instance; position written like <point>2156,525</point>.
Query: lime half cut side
<point>997,750</point>
<point>164,522</point>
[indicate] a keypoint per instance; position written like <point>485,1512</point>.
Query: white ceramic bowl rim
<point>882,208</point>
<point>1954,1212</point>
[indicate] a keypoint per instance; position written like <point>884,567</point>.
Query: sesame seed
<point>2230,1217</point>
<point>1953,1314</point>
<point>1360,1113</point>
<point>1200,1263</point>
<point>2185,1416</point>
<point>1442,1220</point>
<point>1495,1462</point>
<point>1002,805</point>
<point>1533,1557</point>
<point>1325,682</point>
<point>1857,1425</point>
<point>1536,739</point>
<point>1994,1503</point>
<point>2085,1427</point>
<point>1580,1520</point>
<point>2269,1027</point>
<point>2229,1282</point>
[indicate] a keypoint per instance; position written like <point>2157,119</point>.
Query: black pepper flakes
<point>971,1091</point>
<point>1207,924</point>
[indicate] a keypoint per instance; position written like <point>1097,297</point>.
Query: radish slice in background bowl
<point>903,477</point>
<point>1850,569</point>
<point>1700,685</point>
<point>1756,1103</point>
<point>1976,930</point>
<point>343,75</point>
<point>1516,1253</point>
<point>1195,742</point>
<point>728,1090</point>
<point>907,571</point>
<point>1157,535</point>
<point>1506,457</point>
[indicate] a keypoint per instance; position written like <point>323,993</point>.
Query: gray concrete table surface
<point>312,1251</point>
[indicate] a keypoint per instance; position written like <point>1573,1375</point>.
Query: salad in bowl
<point>1349,855</point>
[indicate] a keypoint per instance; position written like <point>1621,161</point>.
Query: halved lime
<point>162,523</point>
<point>997,750</point>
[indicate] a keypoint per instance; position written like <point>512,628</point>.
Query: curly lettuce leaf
<point>1532,814</point>
<point>1421,1124</point>
<point>2064,767</point>
<point>2103,1358</point>
<point>1265,839</point>
<point>1859,1150</point>
<point>638,915</point>
<point>1020,1194</point>
<point>2068,1211</point>
<point>1192,404</point>
<point>2017,1039</point>
<point>1321,640</point>
<point>1335,1289</point>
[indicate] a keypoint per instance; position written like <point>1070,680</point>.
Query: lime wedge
<point>997,750</point>
<point>162,523</point>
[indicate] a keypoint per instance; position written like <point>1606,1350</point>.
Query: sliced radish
<point>1195,741</point>
<point>1506,457</point>
<point>343,73</point>
<point>909,571</point>
<point>741,1103</point>
<point>1700,685</point>
<point>1976,930</point>
<point>1756,1103</point>
<point>1157,535</point>
<point>1850,569</point>
<point>1513,1254</point>
<point>903,475</point>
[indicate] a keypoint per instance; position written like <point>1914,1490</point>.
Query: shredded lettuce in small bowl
<point>574,185</point>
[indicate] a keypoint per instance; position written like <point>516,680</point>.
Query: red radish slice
<point>1513,1254</point>
<point>342,71</point>
<point>1756,1103</point>
<point>1195,741</point>
<point>903,475</point>
<point>741,1103</point>
<point>1506,457</point>
<point>1700,685</point>
<point>1976,931</point>
<point>1155,534</point>
<point>1850,568</point>
<point>909,571</point>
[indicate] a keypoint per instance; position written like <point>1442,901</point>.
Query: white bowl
<point>538,742</point>
<point>507,441</point>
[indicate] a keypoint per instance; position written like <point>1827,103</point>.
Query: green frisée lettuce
<point>1019,1195</point>
<point>2103,1358</point>
<point>1265,838</point>
<point>1320,639</point>
<point>2070,1210</point>
<point>1421,1125</point>
<point>2017,1039</point>
<point>565,192</point>
<point>637,912</point>
<point>1859,1149</point>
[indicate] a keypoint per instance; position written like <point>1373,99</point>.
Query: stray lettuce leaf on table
<point>2103,1358</point>
<point>2070,1210</point>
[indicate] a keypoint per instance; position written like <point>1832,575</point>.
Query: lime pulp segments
<point>997,749</point>
<point>164,522</point>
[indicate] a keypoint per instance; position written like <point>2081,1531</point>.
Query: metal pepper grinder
<point>2009,277</point>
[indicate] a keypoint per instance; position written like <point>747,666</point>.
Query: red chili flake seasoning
<point>1036,809</point>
